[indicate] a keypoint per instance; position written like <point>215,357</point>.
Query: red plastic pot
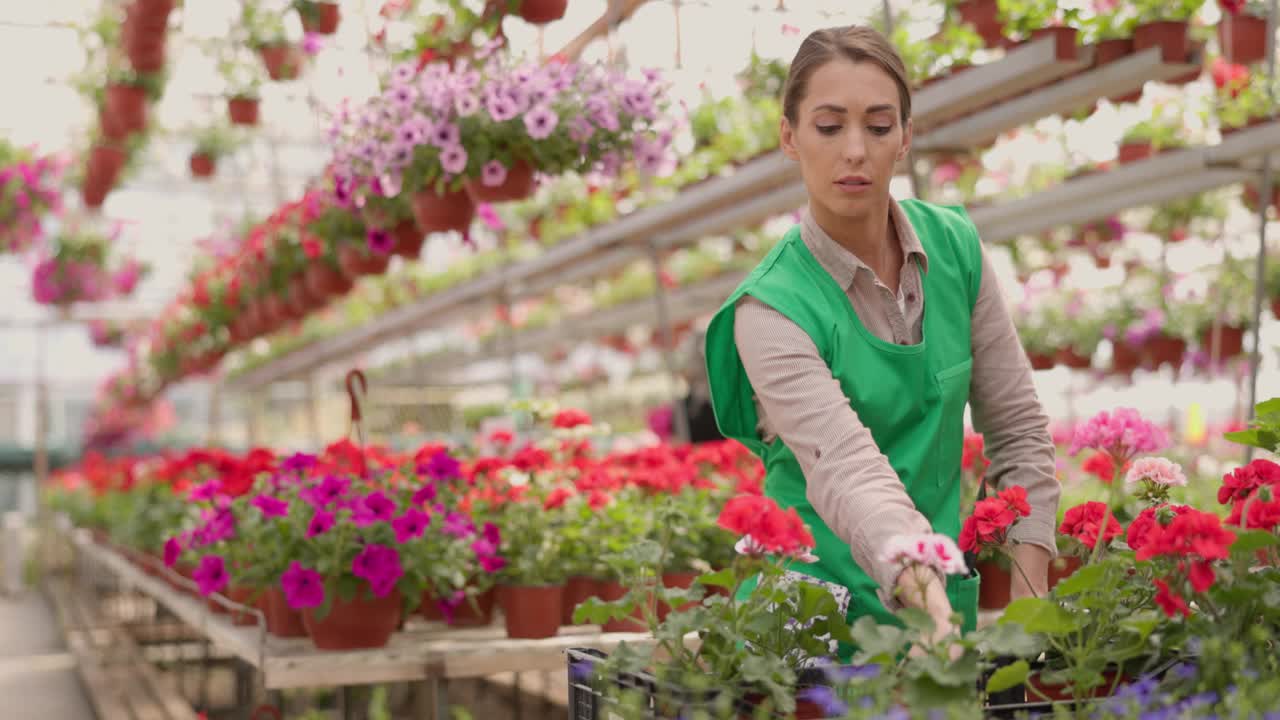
<point>1168,35</point>
<point>683,580</point>
<point>324,21</point>
<point>1275,307</point>
<point>1165,350</point>
<point>541,12</point>
<point>531,612</point>
<point>430,608</point>
<point>361,623</point>
<point>128,105</point>
<point>479,615</point>
<point>1230,341</point>
<point>518,185</point>
<point>1055,692</point>
<point>202,165</point>
<point>282,620</point>
<point>325,280</point>
<point>576,591</point>
<point>1243,38</point>
<point>1062,568</point>
<point>1064,41</point>
<point>610,591</point>
<point>442,213</point>
<point>1124,358</point>
<point>284,62</point>
<point>984,16</point>
<point>409,240</point>
<point>1108,51</point>
<point>1134,151</point>
<point>1068,357</point>
<point>1041,361</point>
<point>356,261</point>
<point>993,590</point>
<point>243,111</point>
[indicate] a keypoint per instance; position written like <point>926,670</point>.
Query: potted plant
<point>532,583</point>
<point>28,193</point>
<point>1163,24</point>
<point>212,143</point>
<point>1242,32</point>
<point>243,90</point>
<point>1241,103</point>
<point>540,12</point>
<point>318,17</point>
<point>1026,20</point>
<point>74,269</point>
<point>1150,136</point>
<point>982,15</point>
<point>266,35</point>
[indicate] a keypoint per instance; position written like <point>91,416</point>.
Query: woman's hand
<point>920,587</point>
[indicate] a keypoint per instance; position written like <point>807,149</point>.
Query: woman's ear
<point>907,131</point>
<point>787,139</point>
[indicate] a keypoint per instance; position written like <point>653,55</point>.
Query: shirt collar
<point>843,265</point>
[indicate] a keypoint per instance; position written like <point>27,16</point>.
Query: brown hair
<point>857,43</point>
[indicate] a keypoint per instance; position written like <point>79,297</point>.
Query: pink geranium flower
<point>1157,471</point>
<point>931,550</point>
<point>1121,434</point>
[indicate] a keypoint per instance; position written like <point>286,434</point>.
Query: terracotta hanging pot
<point>519,184</point>
<point>128,104</point>
<point>1168,35</point>
<point>993,589</point>
<point>409,240</point>
<point>1165,350</point>
<point>1041,361</point>
<point>323,279</point>
<point>356,261</point>
<point>541,12</point>
<point>1134,151</point>
<point>576,591</point>
<point>443,213</point>
<point>1124,358</point>
<point>984,17</point>
<point>531,612</point>
<point>284,62</point>
<point>323,18</point>
<point>1230,341</point>
<point>111,128</point>
<point>243,110</point>
<point>278,308</point>
<point>1195,49</point>
<point>1068,357</point>
<point>155,9</point>
<point>146,58</point>
<point>101,172</point>
<point>202,165</point>
<point>301,302</point>
<point>361,623</point>
<point>282,620</point>
<point>1243,38</point>
<point>478,615</point>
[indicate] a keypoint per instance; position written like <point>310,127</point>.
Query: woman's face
<point>847,138</point>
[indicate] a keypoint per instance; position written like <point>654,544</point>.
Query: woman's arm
<point>849,481</point>
<point>1015,430</point>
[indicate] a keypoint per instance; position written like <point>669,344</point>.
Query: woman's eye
<point>828,129</point>
<point>881,129</point>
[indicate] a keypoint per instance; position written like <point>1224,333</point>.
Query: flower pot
<point>325,280</point>
<point>361,623</point>
<point>442,213</point>
<point>541,12</point>
<point>430,608</point>
<point>1064,41</point>
<point>993,590</point>
<point>1252,195</point>
<point>576,591</point>
<point>1041,361</point>
<point>611,590</point>
<point>1108,51</point>
<point>1168,35</point>
<point>284,62</point>
<point>301,302</point>
<point>128,104</point>
<point>356,261</point>
<point>1165,350</point>
<point>1275,307</point>
<point>243,596</point>
<point>325,19</point>
<point>111,127</point>
<point>518,185</point>
<point>1243,38</point>
<point>1134,151</point>
<point>282,620</point>
<point>683,580</point>
<point>1062,568</point>
<point>409,240</point>
<point>105,162</point>
<point>1124,358</point>
<point>1195,49</point>
<point>532,612</point>
<point>1230,341</point>
<point>479,615</point>
<point>243,111</point>
<point>278,308</point>
<point>153,8</point>
<point>202,165</point>
<point>984,16</point>
<point>1038,690</point>
<point>1070,358</point>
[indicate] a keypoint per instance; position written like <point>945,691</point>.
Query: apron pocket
<point>963,594</point>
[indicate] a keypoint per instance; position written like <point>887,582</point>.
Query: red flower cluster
<point>1240,483</point>
<point>777,531</point>
<point>992,517</point>
<point>972,457</point>
<point>1084,521</point>
<point>570,418</point>
<point>1255,486</point>
<point>1101,466</point>
<point>1170,602</point>
<point>1140,528</point>
<point>1197,539</point>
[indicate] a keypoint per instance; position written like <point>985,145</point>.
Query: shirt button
<point>911,297</point>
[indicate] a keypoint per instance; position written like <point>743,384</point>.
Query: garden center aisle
<point>37,674</point>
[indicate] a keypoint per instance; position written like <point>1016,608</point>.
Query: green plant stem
<point>1022,573</point>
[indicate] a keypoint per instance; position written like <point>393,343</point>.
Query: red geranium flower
<point>1170,602</point>
<point>557,498</point>
<point>1240,483</point>
<point>1141,526</point>
<point>1195,537</point>
<point>972,454</point>
<point>570,418</point>
<point>765,527</point>
<point>1083,521</point>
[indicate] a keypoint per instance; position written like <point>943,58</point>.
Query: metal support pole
<point>1264,204</point>
<point>313,412</point>
<point>679,415</point>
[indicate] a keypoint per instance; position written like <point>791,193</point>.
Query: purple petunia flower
<point>581,129</point>
<point>172,551</point>
<point>380,566</point>
<point>446,135</point>
<point>501,108</point>
<point>380,241</point>
<point>211,575</point>
<point>303,587</point>
<point>321,523</point>
<point>466,105</point>
<point>493,174</point>
<point>270,506</point>
<point>410,525</point>
<point>458,525</point>
<point>540,122</point>
<point>492,563</point>
<point>453,159</point>
<point>220,525</point>
<point>328,491</point>
<point>825,698</point>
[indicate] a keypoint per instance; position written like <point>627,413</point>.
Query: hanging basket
<point>323,18</point>
<point>356,260</point>
<point>243,111</point>
<point>111,128</point>
<point>284,62</point>
<point>518,185</point>
<point>1041,361</point>
<point>323,279</point>
<point>105,162</point>
<point>361,623</point>
<point>128,105</point>
<point>1243,38</point>
<point>282,620</point>
<point>202,165</point>
<point>409,240</point>
<point>541,12</point>
<point>443,213</point>
<point>1168,35</point>
<point>1230,341</point>
<point>984,17</point>
<point>531,612</point>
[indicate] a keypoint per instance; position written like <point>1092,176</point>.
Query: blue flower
<point>581,670</point>
<point>897,713</point>
<point>825,698</point>
<point>847,673</point>
<point>1184,671</point>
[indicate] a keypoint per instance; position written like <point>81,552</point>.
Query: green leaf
<point>597,612</point>
<point>923,693</point>
<point>724,578</point>
<point>1249,541</point>
<point>1142,623</point>
<point>1037,615</point>
<point>955,673</point>
<point>875,640</point>
<point>917,620</point>
<point>1086,578</point>
<point>1011,639</point>
<point>1008,676</point>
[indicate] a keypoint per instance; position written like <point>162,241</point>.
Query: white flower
<point>747,545</point>
<point>1156,470</point>
<point>931,550</point>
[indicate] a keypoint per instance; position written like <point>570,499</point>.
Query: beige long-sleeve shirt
<point>850,482</point>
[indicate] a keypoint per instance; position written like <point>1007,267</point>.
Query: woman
<point>845,360</point>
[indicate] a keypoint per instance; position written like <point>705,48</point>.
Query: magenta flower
<point>453,159</point>
<point>172,550</point>
<point>374,508</point>
<point>298,462</point>
<point>410,525</point>
<point>489,217</point>
<point>540,122</point>
<point>424,494</point>
<point>443,466</point>
<point>492,563</point>
<point>493,173</point>
<point>271,507</point>
<point>380,241</point>
<point>220,525</point>
<point>327,492</point>
<point>303,587</point>
<point>378,565</point>
<point>458,525</point>
<point>321,523</point>
<point>211,575</point>
<point>312,43</point>
<point>205,491</point>
<point>1121,434</point>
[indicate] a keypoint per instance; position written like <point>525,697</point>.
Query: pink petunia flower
<point>303,587</point>
<point>211,575</point>
<point>410,525</point>
<point>493,174</point>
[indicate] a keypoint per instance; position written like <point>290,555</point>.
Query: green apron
<point>911,397</point>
